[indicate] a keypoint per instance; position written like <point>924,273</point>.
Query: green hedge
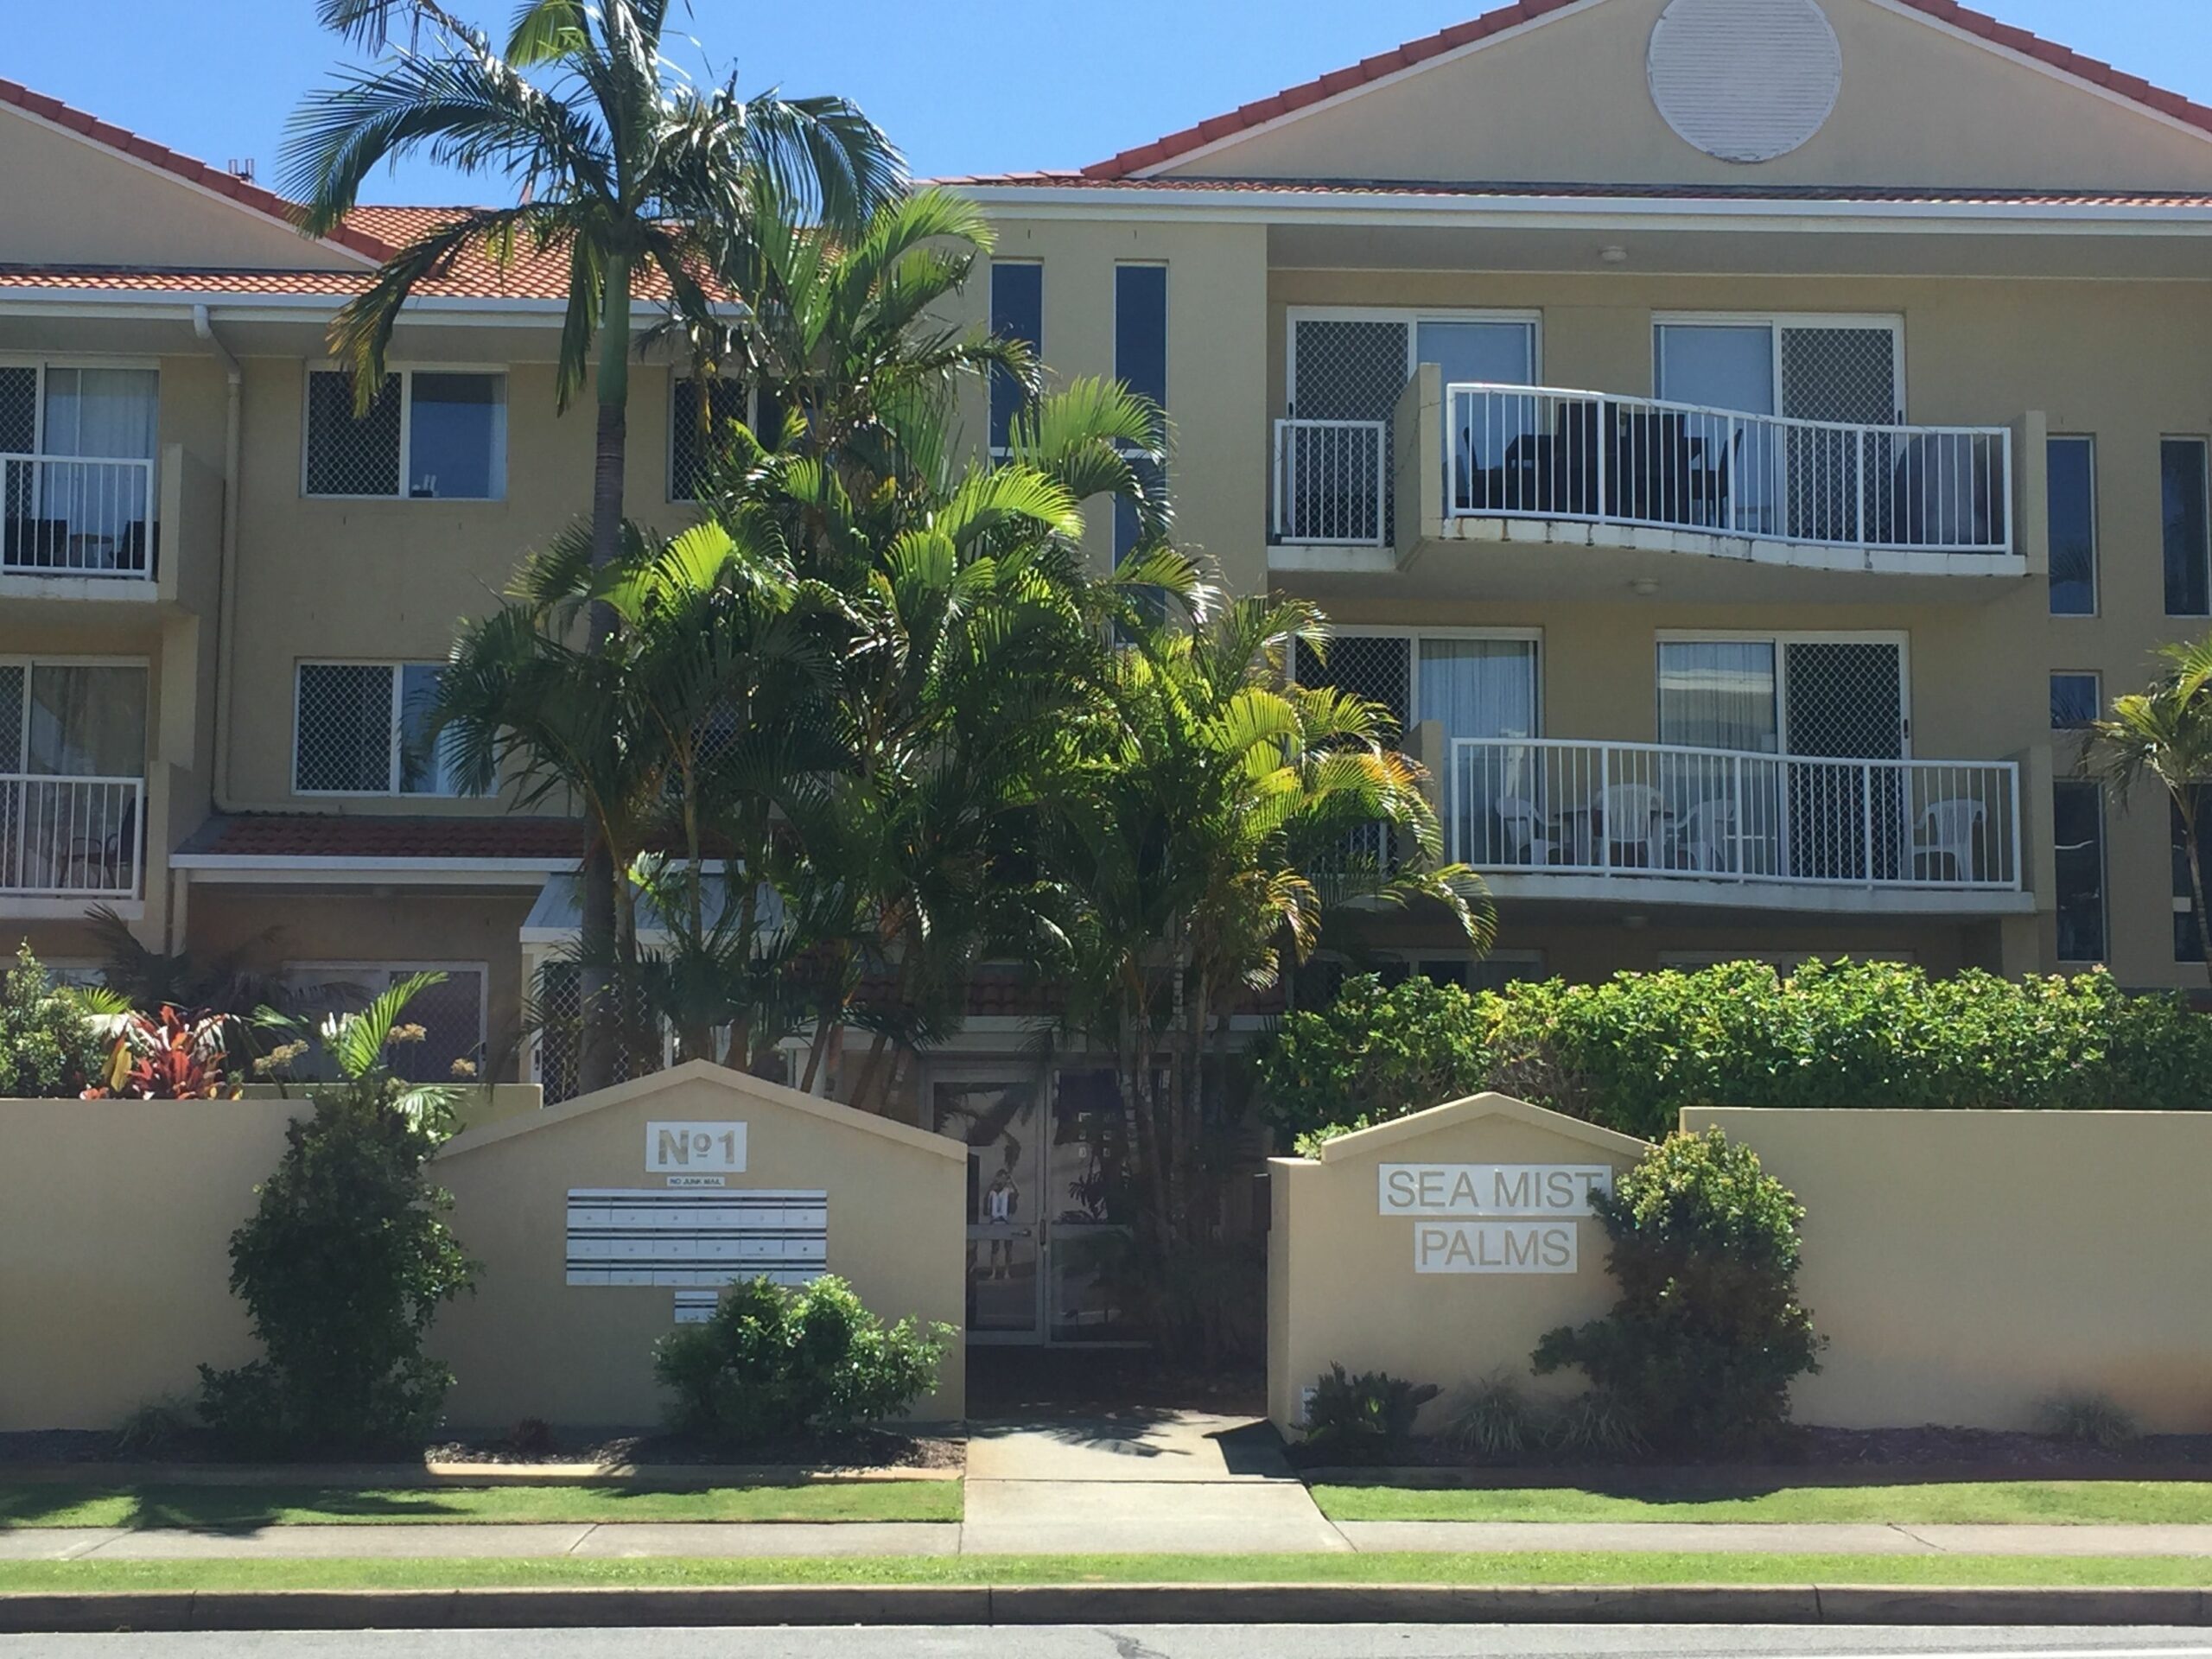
<point>1631,1053</point>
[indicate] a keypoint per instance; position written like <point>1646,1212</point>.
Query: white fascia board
<point>228,305</point>
<point>1291,206</point>
<point>247,867</point>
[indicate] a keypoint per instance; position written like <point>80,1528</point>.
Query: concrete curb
<point>1034,1604</point>
<point>430,1477</point>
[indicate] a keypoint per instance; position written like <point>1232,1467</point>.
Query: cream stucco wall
<point>1968,1266</point>
<point>1568,99</point>
<point>1342,1287</point>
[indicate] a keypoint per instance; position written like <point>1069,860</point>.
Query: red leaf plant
<point>167,1056</point>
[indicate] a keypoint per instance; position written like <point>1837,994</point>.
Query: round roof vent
<point>1745,80</point>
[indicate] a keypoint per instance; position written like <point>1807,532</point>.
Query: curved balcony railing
<point>1539,452</point>
<point>1524,805</point>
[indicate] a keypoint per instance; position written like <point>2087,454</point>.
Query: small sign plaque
<point>695,1183</point>
<point>1494,1247</point>
<point>695,1148</point>
<point>1490,1188</point>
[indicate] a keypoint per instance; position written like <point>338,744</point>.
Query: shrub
<point>1632,1053</point>
<point>345,1261</point>
<point>161,1428</point>
<point>771,1365</point>
<point>2096,1419</point>
<point>167,1057</point>
<point>1364,1419</point>
<point>1372,1055</point>
<point>49,1049</point>
<point>1494,1419</point>
<point>1593,1424</point>
<point>1701,1348</point>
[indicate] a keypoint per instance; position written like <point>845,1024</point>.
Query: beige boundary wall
<point>1428,1296</point>
<point>1966,1266</point>
<point>115,1217</point>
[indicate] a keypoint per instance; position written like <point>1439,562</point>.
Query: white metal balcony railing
<point>1539,452</point>
<point>1720,814</point>
<point>1331,483</point>
<point>71,838</point>
<point>72,516</point>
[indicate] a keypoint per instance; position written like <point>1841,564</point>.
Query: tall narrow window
<point>2077,828</point>
<point>1017,313</point>
<point>2073,495</point>
<point>2182,482</point>
<point>1140,364</point>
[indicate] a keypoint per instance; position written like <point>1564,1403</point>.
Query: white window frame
<point>998,453</point>
<point>407,372</point>
<point>2096,534</point>
<point>31,662</point>
<point>43,361</point>
<point>398,665</point>
<point>1412,316</point>
<point>679,376</point>
<point>1776,321</point>
<point>400,969</point>
<point>1780,638</point>
<point>2095,677</point>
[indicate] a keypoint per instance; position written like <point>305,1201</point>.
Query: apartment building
<point>1737,439</point>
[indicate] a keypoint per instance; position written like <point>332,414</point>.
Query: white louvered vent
<point>1745,80</point>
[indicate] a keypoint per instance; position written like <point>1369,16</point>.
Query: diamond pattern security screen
<point>347,456</point>
<point>1845,699</point>
<point>11,717</point>
<point>19,436</point>
<point>1375,666</point>
<point>343,744</point>
<point>1839,374</point>
<point>693,434</point>
<point>559,1041</point>
<point>1345,370</point>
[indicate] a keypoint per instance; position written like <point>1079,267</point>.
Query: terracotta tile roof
<point>169,161</point>
<point>1944,196</point>
<point>305,835</point>
<point>1291,99</point>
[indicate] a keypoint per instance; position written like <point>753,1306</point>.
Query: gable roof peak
<point>1144,159</point>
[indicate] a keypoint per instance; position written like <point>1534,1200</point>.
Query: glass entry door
<point>1049,1189</point>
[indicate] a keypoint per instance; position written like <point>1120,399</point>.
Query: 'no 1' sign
<point>695,1148</point>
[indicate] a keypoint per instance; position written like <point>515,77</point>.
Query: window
<point>72,720</point>
<point>1017,313</point>
<point>2075,700</point>
<point>429,435</point>
<point>451,1013</point>
<point>1139,363</point>
<point>2188,527</point>
<point>2077,821</point>
<point>693,431</point>
<point>2073,496</point>
<point>363,729</point>
<point>2188,945</point>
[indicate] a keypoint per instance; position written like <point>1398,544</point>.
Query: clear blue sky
<point>963,85</point>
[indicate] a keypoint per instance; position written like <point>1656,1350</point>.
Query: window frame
<point>407,372</point>
<point>1781,639</point>
<point>1776,322</point>
<point>1411,317</point>
<point>2096,680</point>
<point>677,377</point>
<point>400,968</point>
<point>998,451</point>
<point>2203,443</point>
<point>1414,636</point>
<point>2104,872</point>
<point>2096,538</point>
<point>31,662</point>
<point>397,667</point>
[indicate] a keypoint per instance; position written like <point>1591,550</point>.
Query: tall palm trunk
<point>603,1023</point>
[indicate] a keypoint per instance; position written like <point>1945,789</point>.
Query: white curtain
<point>107,412</point>
<point>1718,694</point>
<point>87,722</point>
<point>1479,688</point>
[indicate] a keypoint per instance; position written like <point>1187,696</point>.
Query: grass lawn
<point>1949,1571</point>
<point>223,1507</point>
<point>2059,1503</point>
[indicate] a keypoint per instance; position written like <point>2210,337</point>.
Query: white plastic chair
<point>1706,836</point>
<point>1528,836</point>
<point>1947,830</point>
<point>1632,812</point>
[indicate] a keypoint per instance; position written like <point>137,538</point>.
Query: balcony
<point>1548,818</point>
<point>72,839</point>
<point>83,517</point>
<point>1551,493</point>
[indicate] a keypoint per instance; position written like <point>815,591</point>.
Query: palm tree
<point>625,171</point>
<point>1207,849</point>
<point>2163,734</point>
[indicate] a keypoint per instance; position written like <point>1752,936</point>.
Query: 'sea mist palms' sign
<point>1435,1196</point>
<point>1491,1189</point>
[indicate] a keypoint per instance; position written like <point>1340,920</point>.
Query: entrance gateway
<point>1048,1200</point>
